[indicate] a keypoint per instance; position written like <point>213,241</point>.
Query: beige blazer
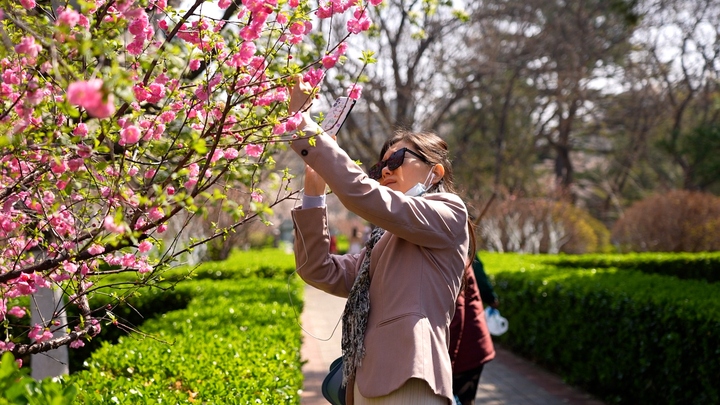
<point>416,270</point>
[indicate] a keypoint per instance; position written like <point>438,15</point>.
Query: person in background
<point>355,242</point>
<point>487,293</point>
<point>470,343</point>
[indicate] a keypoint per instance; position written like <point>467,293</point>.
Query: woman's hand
<point>314,184</point>
<point>301,96</point>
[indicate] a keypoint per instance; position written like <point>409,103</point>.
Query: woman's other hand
<point>314,184</point>
<point>301,96</point>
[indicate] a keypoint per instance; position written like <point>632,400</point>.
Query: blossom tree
<point>117,115</point>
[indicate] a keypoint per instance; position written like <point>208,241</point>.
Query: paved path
<point>507,380</point>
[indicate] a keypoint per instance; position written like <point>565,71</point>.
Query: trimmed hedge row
<point>236,342</point>
<point>626,336</point>
<point>698,266</point>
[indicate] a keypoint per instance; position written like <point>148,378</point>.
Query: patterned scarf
<point>355,316</point>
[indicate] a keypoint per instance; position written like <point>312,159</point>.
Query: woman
<point>402,287</point>
<point>470,343</point>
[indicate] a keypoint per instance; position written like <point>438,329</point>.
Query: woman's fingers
<point>301,94</point>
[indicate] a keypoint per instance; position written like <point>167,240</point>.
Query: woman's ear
<point>439,171</point>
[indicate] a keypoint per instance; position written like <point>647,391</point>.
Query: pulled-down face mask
<point>420,188</point>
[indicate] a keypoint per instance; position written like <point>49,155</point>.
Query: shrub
<point>17,388</point>
<point>626,336</point>
<point>148,302</point>
<point>678,221</point>
<point>698,266</point>
<point>542,226</point>
<point>236,342</point>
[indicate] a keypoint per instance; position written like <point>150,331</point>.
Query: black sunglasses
<point>393,162</point>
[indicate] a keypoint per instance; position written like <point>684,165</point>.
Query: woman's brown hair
<point>435,151</point>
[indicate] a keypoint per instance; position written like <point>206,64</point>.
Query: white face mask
<point>420,189</point>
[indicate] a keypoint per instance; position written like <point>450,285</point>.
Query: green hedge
<point>698,266</point>
<point>626,336</point>
<point>236,342</point>
<point>148,303</point>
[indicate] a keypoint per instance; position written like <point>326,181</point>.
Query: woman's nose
<point>386,171</point>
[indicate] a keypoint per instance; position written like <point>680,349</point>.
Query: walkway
<point>507,380</point>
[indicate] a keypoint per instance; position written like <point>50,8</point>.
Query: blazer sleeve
<point>334,274</point>
<point>432,221</point>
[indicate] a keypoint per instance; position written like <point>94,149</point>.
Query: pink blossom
<point>162,228</point>
<point>96,249</point>
<point>144,246</point>
<point>76,344</point>
<point>254,150</point>
<point>28,4</point>
<point>202,93</point>
<point>256,196</point>
<point>282,18</point>
<point>297,28</point>
<point>329,60</point>
<point>144,267</point>
<point>223,4</point>
<point>89,95</point>
<point>163,25</point>
<point>141,94</point>
<point>230,153</point>
<point>140,223</point>
<point>111,226</point>
<point>70,267</point>
<point>128,260</point>
<point>28,46</point>
<point>83,22</point>
<point>129,135</point>
<point>81,130</point>
<point>247,51</point>
<point>17,311</point>
<point>36,334</point>
<point>194,169</point>
<point>324,12</point>
<point>167,116</point>
<point>294,3</point>
<point>69,18</point>
<point>314,76</point>
<point>157,92</point>
<point>354,91</point>
<point>280,128</point>
<point>341,49</point>
<point>190,184</point>
<point>155,214</point>
<point>294,121</point>
<point>58,166</point>
<point>75,164</point>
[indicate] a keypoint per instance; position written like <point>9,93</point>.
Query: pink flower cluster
<point>89,95</point>
<point>314,76</point>
<point>40,334</point>
<point>361,22</point>
<point>141,29</point>
<point>28,47</point>
<point>330,59</point>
